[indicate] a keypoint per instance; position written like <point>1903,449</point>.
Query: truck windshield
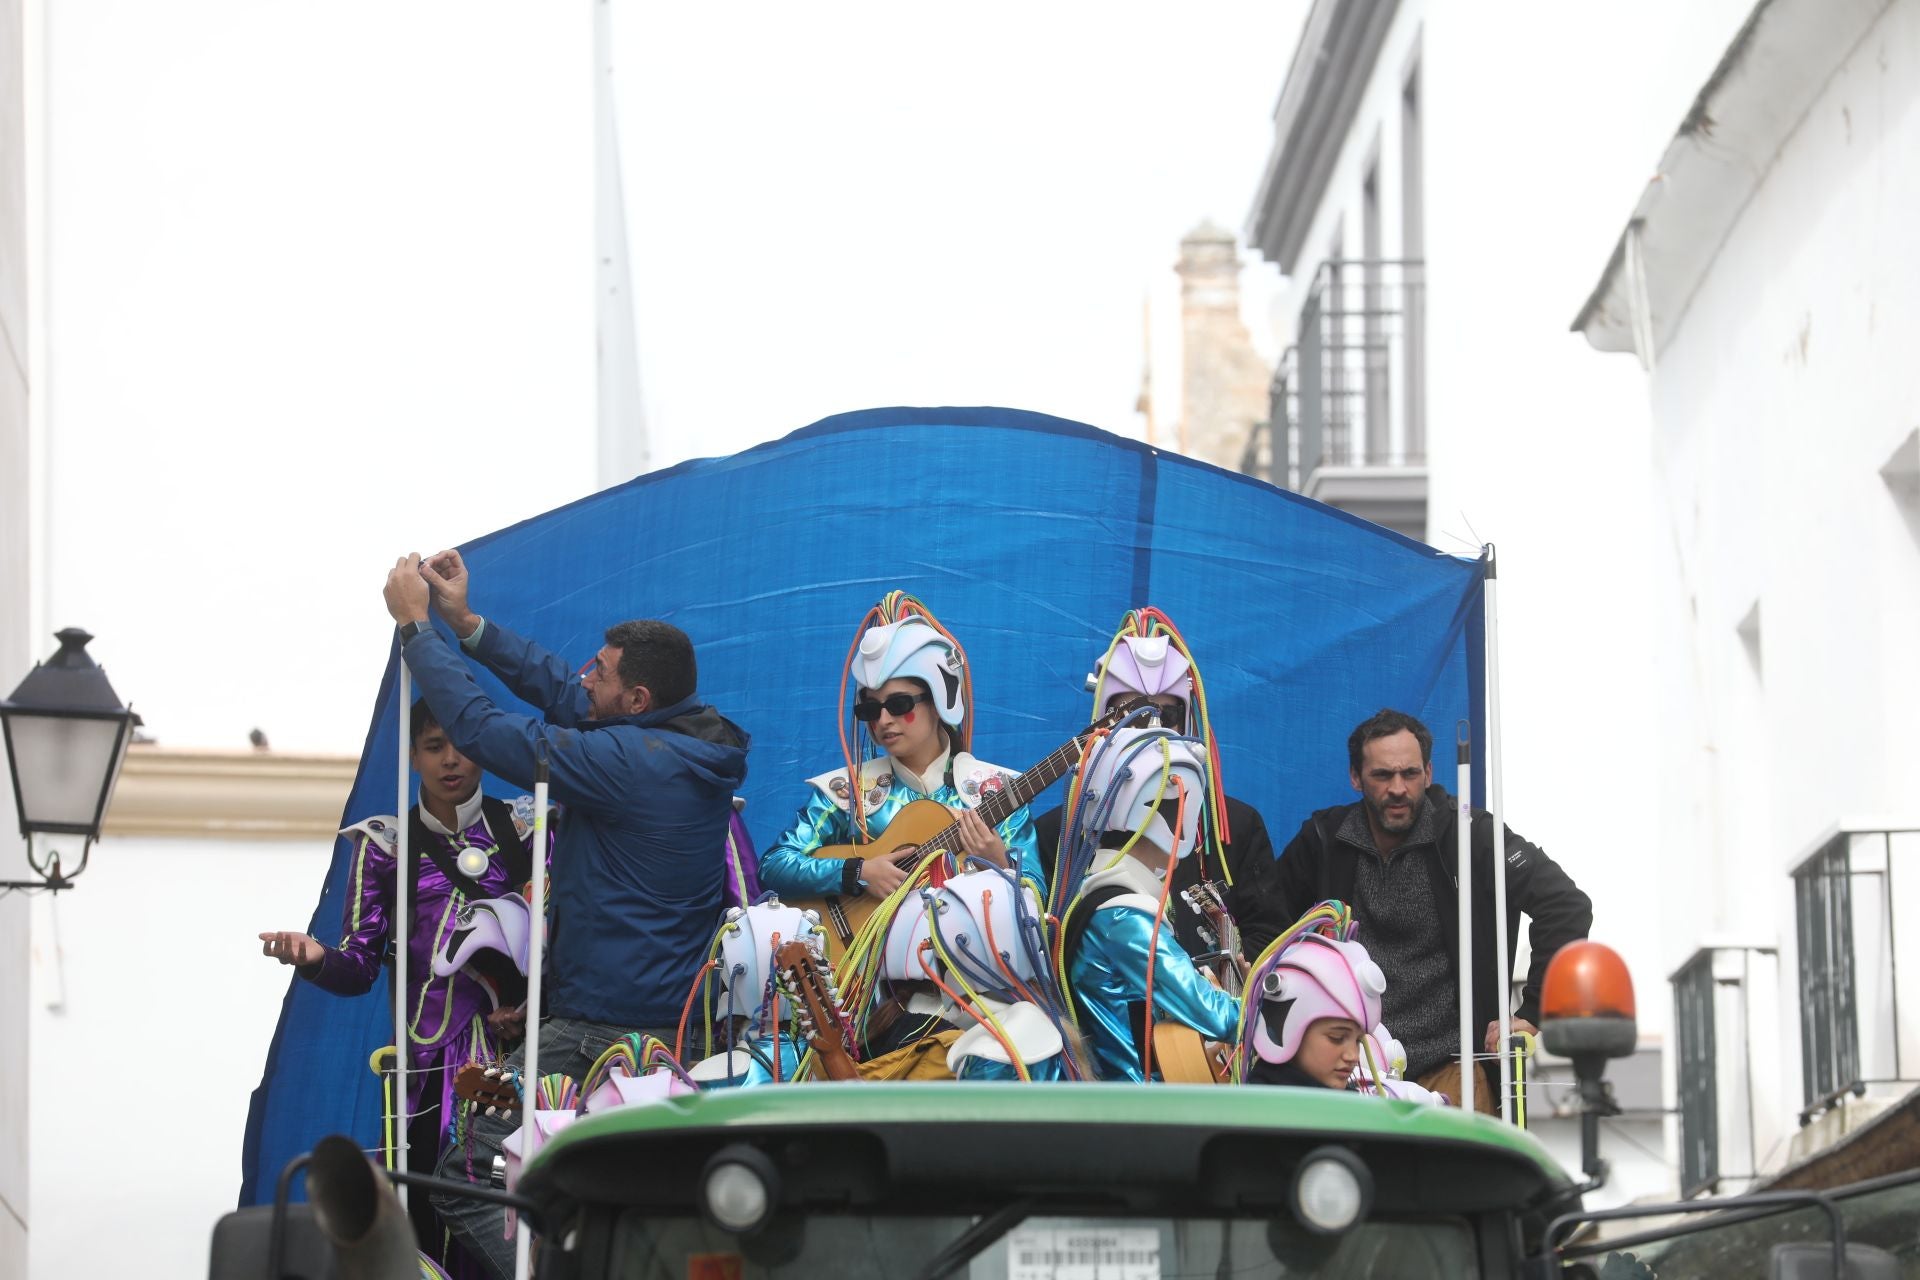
<point>650,1246</point>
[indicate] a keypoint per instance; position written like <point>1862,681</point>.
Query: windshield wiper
<point>971,1242</point>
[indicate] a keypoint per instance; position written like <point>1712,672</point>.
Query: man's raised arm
<point>534,675</point>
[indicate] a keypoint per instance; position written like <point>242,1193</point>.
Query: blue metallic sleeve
<point>1180,993</point>
<point>788,866</point>
<point>1023,844</point>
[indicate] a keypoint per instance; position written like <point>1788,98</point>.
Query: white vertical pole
<point>536,950</point>
<point>1463,828</point>
<point>1502,963</point>
<point>402,912</point>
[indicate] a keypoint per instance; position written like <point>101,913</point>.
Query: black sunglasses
<point>867,710</point>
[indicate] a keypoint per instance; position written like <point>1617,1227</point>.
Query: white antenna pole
<point>536,950</point>
<point>402,910</point>
<point>1463,828</point>
<point>1501,962</point>
<point>622,426</point>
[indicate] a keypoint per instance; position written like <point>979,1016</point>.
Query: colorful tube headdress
<point>900,638</point>
<point>1148,655</point>
<point>1149,783</point>
<point>1315,977</point>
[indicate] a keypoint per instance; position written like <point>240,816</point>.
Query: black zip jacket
<point>1315,866</point>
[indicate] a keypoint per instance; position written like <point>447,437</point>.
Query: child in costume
<point>1133,813</point>
<point>464,846</point>
<point>912,715</point>
<point>1312,1016</point>
<point>1316,1001</point>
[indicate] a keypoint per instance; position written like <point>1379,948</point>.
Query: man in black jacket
<point>1394,857</point>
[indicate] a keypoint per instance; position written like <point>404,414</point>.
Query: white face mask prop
<point>747,942</point>
<point>989,930</point>
<point>1136,782</point>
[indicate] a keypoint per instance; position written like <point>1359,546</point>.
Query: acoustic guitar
<point>821,1021</point>
<point>927,829</point>
<point>1217,929</point>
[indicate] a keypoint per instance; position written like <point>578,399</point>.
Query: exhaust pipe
<point>356,1209</point>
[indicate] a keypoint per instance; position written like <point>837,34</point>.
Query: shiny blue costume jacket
<point>790,869</point>
<point>1108,973</point>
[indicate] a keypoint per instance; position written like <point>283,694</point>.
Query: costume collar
<point>936,775</point>
<point>1131,874</point>
<point>466,814</point>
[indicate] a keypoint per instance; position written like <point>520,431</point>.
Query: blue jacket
<point>637,867</point>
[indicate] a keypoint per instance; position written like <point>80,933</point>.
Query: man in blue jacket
<point>645,774</point>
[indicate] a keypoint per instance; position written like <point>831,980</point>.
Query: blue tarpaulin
<point>1029,536</point>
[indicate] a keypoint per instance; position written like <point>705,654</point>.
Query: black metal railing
<point>1699,1095</point>
<point>1714,1007</point>
<point>1351,391</point>
<point>1846,922</point>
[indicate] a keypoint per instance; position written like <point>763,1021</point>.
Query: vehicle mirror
<point>1813,1260</point>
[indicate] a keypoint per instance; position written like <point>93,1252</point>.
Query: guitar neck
<point>998,807</point>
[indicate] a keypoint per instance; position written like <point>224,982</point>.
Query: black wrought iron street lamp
<point>67,735</point>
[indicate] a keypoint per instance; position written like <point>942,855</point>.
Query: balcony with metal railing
<point>1859,1030</point>
<point>1725,1000</point>
<point>1348,401</point>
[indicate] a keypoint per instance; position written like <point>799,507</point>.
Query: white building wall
<point>152,1010</point>
<point>16,594</point>
<point>1777,399</point>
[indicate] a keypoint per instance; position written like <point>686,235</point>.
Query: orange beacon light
<point>1586,1013</point>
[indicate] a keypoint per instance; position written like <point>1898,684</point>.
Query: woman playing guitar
<point>908,692</point>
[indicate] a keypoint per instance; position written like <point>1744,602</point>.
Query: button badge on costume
<point>472,862</point>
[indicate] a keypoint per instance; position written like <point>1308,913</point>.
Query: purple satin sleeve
<point>350,968</point>
<point>743,867</point>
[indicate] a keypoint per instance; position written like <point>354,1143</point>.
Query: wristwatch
<point>851,886</point>
<point>408,630</point>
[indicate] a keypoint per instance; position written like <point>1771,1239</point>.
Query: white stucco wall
<point>1779,396</point>
<point>152,1010</point>
<point>15,596</point>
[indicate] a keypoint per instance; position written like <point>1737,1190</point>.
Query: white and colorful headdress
<point>1148,655</point>
<point>1142,664</point>
<point>900,638</point>
<point>912,650</point>
<point>1315,977</point>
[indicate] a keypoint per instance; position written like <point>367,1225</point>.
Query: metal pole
<point>1502,963</point>
<point>1463,890</point>
<point>536,949</point>
<point>402,912</point>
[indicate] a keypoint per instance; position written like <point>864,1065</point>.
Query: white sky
<point>319,279</point>
<point>876,205</point>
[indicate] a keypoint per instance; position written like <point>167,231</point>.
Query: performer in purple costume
<point>448,1018</point>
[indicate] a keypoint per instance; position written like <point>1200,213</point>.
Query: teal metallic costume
<point>958,781</point>
<point>1108,974</point>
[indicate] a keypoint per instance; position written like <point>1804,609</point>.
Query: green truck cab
<point>976,1180</point>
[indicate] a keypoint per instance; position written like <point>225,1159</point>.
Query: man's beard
<point>1378,808</point>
